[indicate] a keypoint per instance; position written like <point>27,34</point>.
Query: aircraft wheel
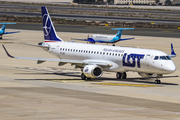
<point>157,81</point>
<point>88,78</point>
<point>118,75</point>
<point>0,37</point>
<point>83,77</point>
<point>124,75</point>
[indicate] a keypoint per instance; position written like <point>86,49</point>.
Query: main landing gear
<point>121,75</point>
<point>83,77</point>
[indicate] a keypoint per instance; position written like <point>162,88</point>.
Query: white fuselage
<point>122,59</point>
<point>104,38</point>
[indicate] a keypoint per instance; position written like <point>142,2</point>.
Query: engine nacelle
<point>150,74</point>
<point>92,71</point>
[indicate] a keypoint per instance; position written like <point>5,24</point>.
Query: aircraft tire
<point>158,81</point>
<point>83,77</point>
<point>88,78</point>
<point>118,75</point>
<point>124,75</point>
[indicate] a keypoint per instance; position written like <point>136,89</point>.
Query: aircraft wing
<point>42,44</point>
<point>78,39</point>
<point>61,61</point>
<point>126,39</point>
<point>89,40</point>
<point>11,32</point>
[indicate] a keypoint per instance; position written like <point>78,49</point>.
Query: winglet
<point>173,54</point>
<point>7,52</point>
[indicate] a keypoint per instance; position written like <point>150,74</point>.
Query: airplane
<point>94,59</point>
<point>2,29</point>
<point>106,38</point>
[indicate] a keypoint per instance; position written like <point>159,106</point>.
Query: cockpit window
<point>168,57</point>
<point>156,58</point>
<point>162,58</point>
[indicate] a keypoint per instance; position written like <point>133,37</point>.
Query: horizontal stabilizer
<point>8,23</point>
<point>122,28</point>
<point>11,32</point>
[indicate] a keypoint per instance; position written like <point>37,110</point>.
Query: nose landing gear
<point>121,75</point>
<point>158,81</point>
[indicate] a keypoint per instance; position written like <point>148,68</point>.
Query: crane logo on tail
<point>46,24</point>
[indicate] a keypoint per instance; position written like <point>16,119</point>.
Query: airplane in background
<point>2,29</point>
<point>93,59</point>
<point>98,38</point>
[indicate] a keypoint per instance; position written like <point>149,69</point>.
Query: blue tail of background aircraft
<point>2,29</point>
<point>48,27</point>
<point>119,33</point>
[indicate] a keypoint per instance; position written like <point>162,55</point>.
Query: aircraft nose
<point>170,67</point>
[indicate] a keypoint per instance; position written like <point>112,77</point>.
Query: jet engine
<point>150,74</point>
<point>92,71</point>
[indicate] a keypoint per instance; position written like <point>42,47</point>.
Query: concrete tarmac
<point>47,91</point>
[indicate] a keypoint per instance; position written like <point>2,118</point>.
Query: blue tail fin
<point>119,33</point>
<point>3,28</point>
<point>48,27</point>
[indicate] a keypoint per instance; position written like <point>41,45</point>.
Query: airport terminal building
<point>150,2</point>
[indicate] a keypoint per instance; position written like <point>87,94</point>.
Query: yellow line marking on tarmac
<point>66,81</point>
<point>120,84</point>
